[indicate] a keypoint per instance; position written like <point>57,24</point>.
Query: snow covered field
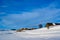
<point>38,34</point>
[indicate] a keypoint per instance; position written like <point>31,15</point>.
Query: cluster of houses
<point>22,29</point>
<point>40,26</point>
<point>48,25</point>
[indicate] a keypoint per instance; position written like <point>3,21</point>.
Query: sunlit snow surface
<point>39,34</point>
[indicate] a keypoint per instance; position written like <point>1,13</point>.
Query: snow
<point>39,34</point>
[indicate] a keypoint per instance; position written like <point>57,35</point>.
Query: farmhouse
<point>51,24</point>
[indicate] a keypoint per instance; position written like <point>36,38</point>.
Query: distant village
<point>48,25</point>
<point>40,26</point>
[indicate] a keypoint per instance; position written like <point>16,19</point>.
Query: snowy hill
<point>53,29</point>
<point>39,34</point>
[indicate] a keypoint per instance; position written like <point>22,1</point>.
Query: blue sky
<point>28,13</point>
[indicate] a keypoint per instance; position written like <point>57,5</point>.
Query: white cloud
<point>24,15</point>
